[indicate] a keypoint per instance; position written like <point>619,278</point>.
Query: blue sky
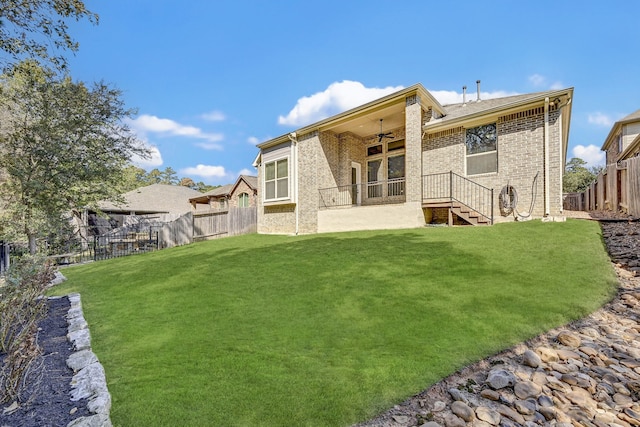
<point>211,79</point>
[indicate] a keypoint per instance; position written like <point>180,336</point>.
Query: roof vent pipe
<point>464,95</point>
<point>478,85</point>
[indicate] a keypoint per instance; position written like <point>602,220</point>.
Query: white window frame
<point>276,179</point>
<point>376,188</point>
<point>484,153</point>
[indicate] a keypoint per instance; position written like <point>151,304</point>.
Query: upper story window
<point>620,143</point>
<point>276,180</point>
<point>243,200</point>
<point>482,149</point>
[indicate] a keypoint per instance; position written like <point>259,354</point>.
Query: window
<point>276,180</point>
<point>222,203</point>
<point>395,145</point>
<point>374,174</point>
<point>374,149</point>
<point>243,200</point>
<point>395,175</point>
<point>620,145</point>
<point>386,171</point>
<point>482,149</point>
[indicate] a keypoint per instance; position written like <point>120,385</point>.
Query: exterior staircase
<point>462,197</point>
<point>461,210</point>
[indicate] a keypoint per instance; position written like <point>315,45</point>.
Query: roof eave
<point>426,99</point>
<point>611,136</point>
<point>634,146</point>
<point>435,126</point>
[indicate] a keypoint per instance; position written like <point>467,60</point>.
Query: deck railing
<point>453,187</point>
<point>370,193</point>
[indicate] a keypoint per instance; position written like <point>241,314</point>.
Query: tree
<point>187,182</point>
<point>133,177</point>
<point>577,176</point>
<point>37,28</point>
<point>63,147</point>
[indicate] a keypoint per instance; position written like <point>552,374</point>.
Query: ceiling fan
<point>383,135</point>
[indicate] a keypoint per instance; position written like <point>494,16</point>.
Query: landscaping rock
<point>488,415</point>
<point>462,410</point>
<point>500,378</point>
<point>530,358</point>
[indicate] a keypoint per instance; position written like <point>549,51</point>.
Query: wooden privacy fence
<point>224,222</point>
<point>616,188</point>
<point>208,225</point>
<point>177,232</point>
<point>574,202</point>
<point>633,182</point>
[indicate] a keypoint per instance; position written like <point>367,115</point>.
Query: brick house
<point>405,160</point>
<point>241,194</point>
<point>617,187</point>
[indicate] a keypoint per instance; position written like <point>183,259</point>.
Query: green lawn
<point>329,329</point>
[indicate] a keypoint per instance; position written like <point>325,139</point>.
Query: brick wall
<point>242,187</point>
<point>520,158</point>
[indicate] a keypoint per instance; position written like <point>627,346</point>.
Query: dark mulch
<point>47,398</point>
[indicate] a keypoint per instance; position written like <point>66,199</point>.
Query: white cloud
<point>446,97</point>
<point>247,172</point>
<point>338,97</point>
<point>600,119</point>
<point>153,161</point>
<point>537,80</point>
<point>209,146</point>
<point>253,140</point>
<point>214,116</point>
<point>590,154</point>
<point>147,123</point>
<point>205,171</point>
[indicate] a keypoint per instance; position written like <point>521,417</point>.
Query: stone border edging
<point>89,380</point>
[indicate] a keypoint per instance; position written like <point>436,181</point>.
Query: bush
<point>22,306</point>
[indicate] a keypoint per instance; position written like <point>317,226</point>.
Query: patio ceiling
<point>368,122</point>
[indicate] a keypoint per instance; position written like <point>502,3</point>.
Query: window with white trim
<point>243,200</point>
<point>386,163</point>
<point>276,180</point>
<point>482,149</point>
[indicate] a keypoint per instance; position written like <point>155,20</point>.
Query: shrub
<point>22,306</point>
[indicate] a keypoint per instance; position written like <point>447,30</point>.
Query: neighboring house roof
<point>155,198</point>
<point>615,129</point>
<point>225,190</point>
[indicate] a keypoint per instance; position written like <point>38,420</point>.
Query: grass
<point>327,329</point>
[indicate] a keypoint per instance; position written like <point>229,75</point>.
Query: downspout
<point>559,106</point>
<point>294,140</point>
<point>546,156</point>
